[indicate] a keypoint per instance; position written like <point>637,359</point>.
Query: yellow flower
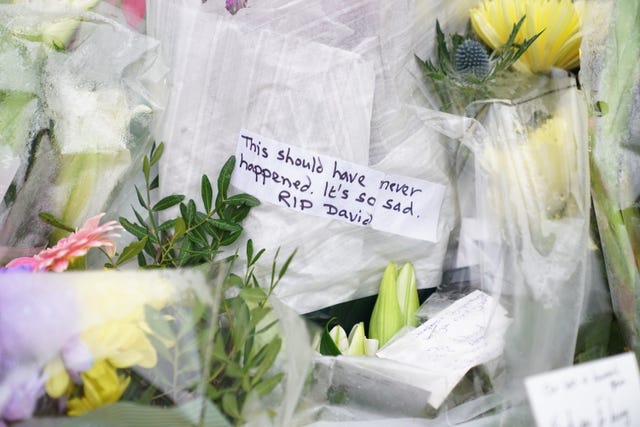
<point>123,343</point>
<point>102,385</point>
<point>559,20</point>
<point>540,167</point>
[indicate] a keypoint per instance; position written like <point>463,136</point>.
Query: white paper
<point>468,333</point>
<point>321,185</point>
<point>603,393</point>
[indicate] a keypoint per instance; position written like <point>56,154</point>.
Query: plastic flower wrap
<point>74,124</point>
<point>116,346</point>
<point>319,79</point>
<point>611,79</point>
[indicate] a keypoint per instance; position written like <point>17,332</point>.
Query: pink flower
<point>134,11</point>
<point>77,244</point>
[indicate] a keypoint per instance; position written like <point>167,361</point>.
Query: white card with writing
<point>604,392</point>
<point>468,333</point>
<point>321,185</point>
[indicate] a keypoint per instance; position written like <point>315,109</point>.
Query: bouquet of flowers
<point>435,162</point>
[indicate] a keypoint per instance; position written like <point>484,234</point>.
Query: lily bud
<point>356,344</point>
<point>386,318</point>
<point>396,304</point>
<point>339,336</point>
<point>408,294</point>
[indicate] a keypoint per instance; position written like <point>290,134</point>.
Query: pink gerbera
<point>77,244</point>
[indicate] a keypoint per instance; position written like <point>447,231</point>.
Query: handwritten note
<point>468,333</point>
<point>320,185</point>
<point>603,393</point>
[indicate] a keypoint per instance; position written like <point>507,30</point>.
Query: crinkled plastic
<point>153,329</point>
<point>335,79</point>
<point>531,198</point>
<point>523,186</point>
<point>84,90</point>
<point>612,82</point>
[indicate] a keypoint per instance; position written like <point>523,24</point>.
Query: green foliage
<point>456,88</point>
<point>195,235</point>
<point>234,354</point>
<point>327,346</point>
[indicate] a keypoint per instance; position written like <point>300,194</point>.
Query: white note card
<point>321,185</point>
<point>602,393</point>
<point>468,333</point>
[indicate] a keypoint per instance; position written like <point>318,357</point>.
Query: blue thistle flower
<point>471,58</point>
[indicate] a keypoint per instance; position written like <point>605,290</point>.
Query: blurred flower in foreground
<point>102,385</point>
<point>557,46</point>
<point>396,304</point>
<point>540,167</point>
<point>77,244</point>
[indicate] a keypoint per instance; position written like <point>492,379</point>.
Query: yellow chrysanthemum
<point>559,44</point>
<point>102,385</point>
<point>541,167</point>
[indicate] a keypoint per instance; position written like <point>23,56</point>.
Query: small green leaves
<point>194,236</point>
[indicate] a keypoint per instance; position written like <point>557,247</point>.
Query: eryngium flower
<point>558,45</point>
<point>471,58</point>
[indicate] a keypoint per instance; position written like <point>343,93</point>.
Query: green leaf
<point>180,227</point>
<point>158,324</point>
<point>225,225</point>
<point>328,347</point>
<point>233,280</point>
<point>230,238</point>
<point>155,183</point>
<point>207,193</point>
<point>197,238</point>
<point>55,222</point>
<point>285,266</point>
<point>253,295</point>
<point>135,229</point>
<point>168,202</point>
<point>131,251</point>
<point>230,405</point>
<point>167,225</point>
<point>242,199</point>
<point>157,153</point>
<point>140,219</point>
<point>271,353</point>
<point>224,179</point>
<point>258,314</point>
<point>249,251</point>
<point>146,168</point>
<point>266,386</point>
<point>140,198</point>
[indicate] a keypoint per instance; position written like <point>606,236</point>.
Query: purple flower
<point>235,5</point>
<point>23,399</point>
